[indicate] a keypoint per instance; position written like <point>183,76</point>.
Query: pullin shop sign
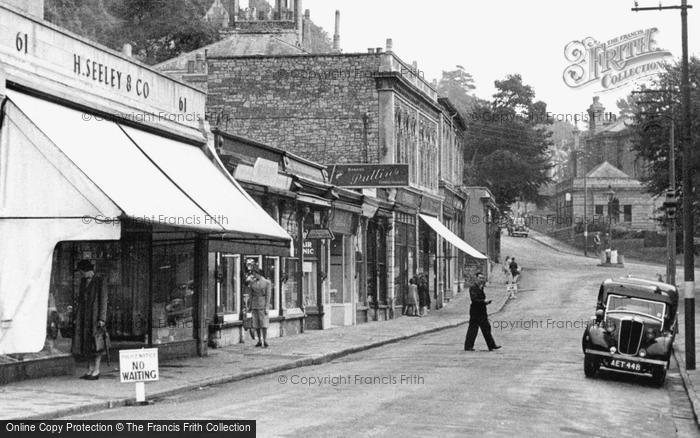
<point>613,63</point>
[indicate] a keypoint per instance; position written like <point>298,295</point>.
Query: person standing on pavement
<point>514,270</point>
<point>412,299</point>
<point>478,316</point>
<point>506,269</point>
<point>89,338</point>
<point>423,293</point>
<point>260,292</point>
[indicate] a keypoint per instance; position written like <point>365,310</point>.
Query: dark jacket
<point>478,306</point>
<point>90,307</point>
<point>514,270</point>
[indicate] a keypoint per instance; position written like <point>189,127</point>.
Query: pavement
<point>691,378</point>
<point>63,396</point>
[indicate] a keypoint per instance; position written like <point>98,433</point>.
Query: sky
<point>492,39</point>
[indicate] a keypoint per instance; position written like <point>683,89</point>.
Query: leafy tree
<point>89,18</point>
<point>162,29</point>
<point>653,114</point>
<point>457,85</point>
<point>507,148</point>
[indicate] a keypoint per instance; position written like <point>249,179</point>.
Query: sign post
<point>138,367</point>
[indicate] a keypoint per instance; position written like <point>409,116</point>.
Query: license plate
<point>625,365</point>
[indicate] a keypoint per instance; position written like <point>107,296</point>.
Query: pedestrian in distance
<point>412,298</point>
<point>506,270</point>
<point>596,243</point>
<point>478,316</point>
<point>423,293</point>
<point>90,339</point>
<point>514,271</point>
<point>260,292</point>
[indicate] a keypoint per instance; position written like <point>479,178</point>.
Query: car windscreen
<point>622,304</point>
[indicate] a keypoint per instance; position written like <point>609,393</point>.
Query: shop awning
<point>451,237</point>
<point>69,176</point>
<point>151,178</point>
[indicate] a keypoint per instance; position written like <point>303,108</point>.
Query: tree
<point>507,146</point>
<point>162,29</point>
<point>653,114</point>
<point>457,85</point>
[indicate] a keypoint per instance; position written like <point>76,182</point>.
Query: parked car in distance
<point>633,329</point>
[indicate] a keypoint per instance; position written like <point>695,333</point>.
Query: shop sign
<point>369,175</point>
<point>319,234</point>
<point>39,56</point>
<point>309,249</point>
<point>138,365</point>
<point>430,205</point>
<point>265,172</point>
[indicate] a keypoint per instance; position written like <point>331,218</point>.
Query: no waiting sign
<point>138,365</point>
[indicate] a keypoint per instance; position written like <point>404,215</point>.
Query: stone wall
<point>323,108</point>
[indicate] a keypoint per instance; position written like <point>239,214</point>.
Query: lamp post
<point>611,197</point>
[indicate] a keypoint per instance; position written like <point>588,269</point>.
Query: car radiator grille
<point>630,336</point>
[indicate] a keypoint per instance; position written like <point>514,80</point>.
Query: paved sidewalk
<point>67,395</point>
<point>691,378</point>
<point>555,244</point>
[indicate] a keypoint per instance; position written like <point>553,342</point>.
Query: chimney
<point>299,19</point>
<point>31,7</point>
<point>307,14</point>
<point>199,63</point>
<point>336,35</point>
<point>389,45</point>
<point>595,115</point>
<point>370,50</point>
<point>379,50</point>
<point>127,50</point>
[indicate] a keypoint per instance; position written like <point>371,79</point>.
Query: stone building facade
<point>602,162</point>
<point>361,108</point>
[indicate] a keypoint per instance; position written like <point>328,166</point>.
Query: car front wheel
<point>658,375</point>
<point>590,365</point>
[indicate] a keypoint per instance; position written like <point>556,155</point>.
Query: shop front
<point>91,173</point>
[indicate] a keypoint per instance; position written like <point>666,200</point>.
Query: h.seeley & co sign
<point>615,62</point>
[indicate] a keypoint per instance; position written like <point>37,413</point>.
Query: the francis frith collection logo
<point>613,63</point>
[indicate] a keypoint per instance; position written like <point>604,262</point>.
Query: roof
<point>606,170</point>
<point>618,125</point>
<point>240,44</point>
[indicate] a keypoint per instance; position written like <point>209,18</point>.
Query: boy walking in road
<point>478,316</point>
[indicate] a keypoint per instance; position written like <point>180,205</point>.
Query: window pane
<point>173,292</point>
<point>230,282</point>
<point>271,272</point>
<point>289,283</point>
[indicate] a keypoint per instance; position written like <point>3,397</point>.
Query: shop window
<point>228,284</point>
<point>290,288</point>
<point>599,210</point>
<point>627,211</point>
<point>173,292</point>
<point>310,272</point>
<point>337,289</point>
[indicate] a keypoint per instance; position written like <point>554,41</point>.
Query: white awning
<point>451,237</point>
<point>210,186</point>
<point>69,176</point>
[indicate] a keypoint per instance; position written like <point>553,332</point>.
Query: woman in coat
<point>89,339</point>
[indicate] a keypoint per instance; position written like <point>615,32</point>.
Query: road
<point>429,386</point>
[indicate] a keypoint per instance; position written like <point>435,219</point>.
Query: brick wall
<point>314,106</point>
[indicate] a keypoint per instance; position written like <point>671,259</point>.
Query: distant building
<point>603,161</point>
<point>248,31</point>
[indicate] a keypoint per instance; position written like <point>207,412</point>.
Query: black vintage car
<point>633,328</point>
